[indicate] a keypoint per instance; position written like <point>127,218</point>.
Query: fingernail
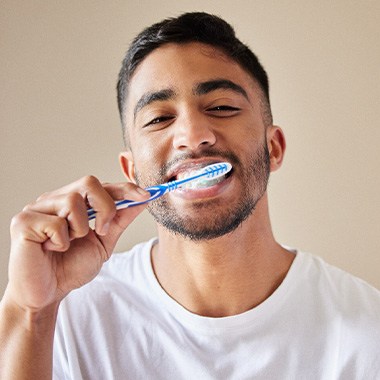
<point>105,229</point>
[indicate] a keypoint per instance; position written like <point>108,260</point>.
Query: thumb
<point>113,230</point>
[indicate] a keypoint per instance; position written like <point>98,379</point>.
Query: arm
<point>26,341</point>
<point>53,251</point>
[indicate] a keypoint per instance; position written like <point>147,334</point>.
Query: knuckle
<point>43,196</point>
<point>59,225</point>
<point>28,207</point>
<point>78,233</point>
<point>18,220</point>
<point>74,200</point>
<point>90,181</point>
<point>64,245</point>
<point>20,223</point>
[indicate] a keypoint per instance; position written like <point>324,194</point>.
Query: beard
<point>208,224</point>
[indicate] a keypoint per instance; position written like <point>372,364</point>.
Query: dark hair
<point>190,27</point>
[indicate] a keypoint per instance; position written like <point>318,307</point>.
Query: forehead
<point>180,66</point>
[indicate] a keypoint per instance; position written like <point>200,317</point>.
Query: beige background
<point>59,61</point>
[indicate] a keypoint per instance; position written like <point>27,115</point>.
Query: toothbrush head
<point>205,177</point>
<point>217,170</point>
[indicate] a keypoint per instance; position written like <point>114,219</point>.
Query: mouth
<point>187,171</point>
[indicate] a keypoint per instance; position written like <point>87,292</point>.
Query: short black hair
<point>190,27</point>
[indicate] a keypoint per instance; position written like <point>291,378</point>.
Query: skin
<point>54,251</point>
<point>237,271</point>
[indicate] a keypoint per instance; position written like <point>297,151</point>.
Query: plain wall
<point>59,62</point>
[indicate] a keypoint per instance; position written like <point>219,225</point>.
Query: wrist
<point>27,317</point>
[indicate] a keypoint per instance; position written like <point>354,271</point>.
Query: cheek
<point>150,153</point>
<point>247,137</point>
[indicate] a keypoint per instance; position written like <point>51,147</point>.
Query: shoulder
<point>348,302</point>
<point>345,289</point>
<point>330,288</point>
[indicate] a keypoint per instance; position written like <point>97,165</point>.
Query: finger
<point>102,203</point>
<point>126,190</point>
<point>71,207</point>
<point>52,232</point>
<point>124,217</point>
<point>100,197</point>
<point>121,221</point>
<point>94,195</point>
<point>120,191</point>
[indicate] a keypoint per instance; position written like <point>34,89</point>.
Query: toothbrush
<point>208,173</point>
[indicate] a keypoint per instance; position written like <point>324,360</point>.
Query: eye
<point>223,110</point>
<point>158,120</point>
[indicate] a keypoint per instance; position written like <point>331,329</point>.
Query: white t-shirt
<point>321,323</point>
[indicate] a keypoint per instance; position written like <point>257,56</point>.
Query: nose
<point>193,132</point>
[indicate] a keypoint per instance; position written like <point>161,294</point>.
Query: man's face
<point>189,106</point>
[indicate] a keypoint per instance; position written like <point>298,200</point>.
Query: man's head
<point>190,102</point>
<point>191,27</point>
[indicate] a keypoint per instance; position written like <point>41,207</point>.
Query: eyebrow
<point>216,84</point>
<point>201,88</point>
<point>151,97</point>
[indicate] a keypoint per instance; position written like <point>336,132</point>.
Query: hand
<point>53,249</point>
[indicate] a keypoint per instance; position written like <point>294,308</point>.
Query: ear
<point>276,145</point>
<point>127,165</point>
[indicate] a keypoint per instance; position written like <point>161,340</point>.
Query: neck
<point>223,276</point>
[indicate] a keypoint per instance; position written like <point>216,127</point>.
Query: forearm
<point>54,251</point>
<point>26,342</point>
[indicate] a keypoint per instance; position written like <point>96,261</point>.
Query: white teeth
<point>186,174</point>
<point>206,182</point>
<point>200,183</point>
<point>203,183</point>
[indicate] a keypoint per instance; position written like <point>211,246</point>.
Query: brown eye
<point>223,111</point>
<point>224,108</point>
<point>158,120</point>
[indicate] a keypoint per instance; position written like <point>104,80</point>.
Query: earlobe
<point>127,165</point>
<point>276,146</point>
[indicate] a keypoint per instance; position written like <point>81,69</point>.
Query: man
<point>215,296</point>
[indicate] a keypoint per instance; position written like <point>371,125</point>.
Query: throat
<point>217,287</point>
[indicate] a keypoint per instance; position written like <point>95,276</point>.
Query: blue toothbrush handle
<point>155,192</point>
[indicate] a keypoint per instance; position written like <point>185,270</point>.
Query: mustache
<point>228,156</point>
